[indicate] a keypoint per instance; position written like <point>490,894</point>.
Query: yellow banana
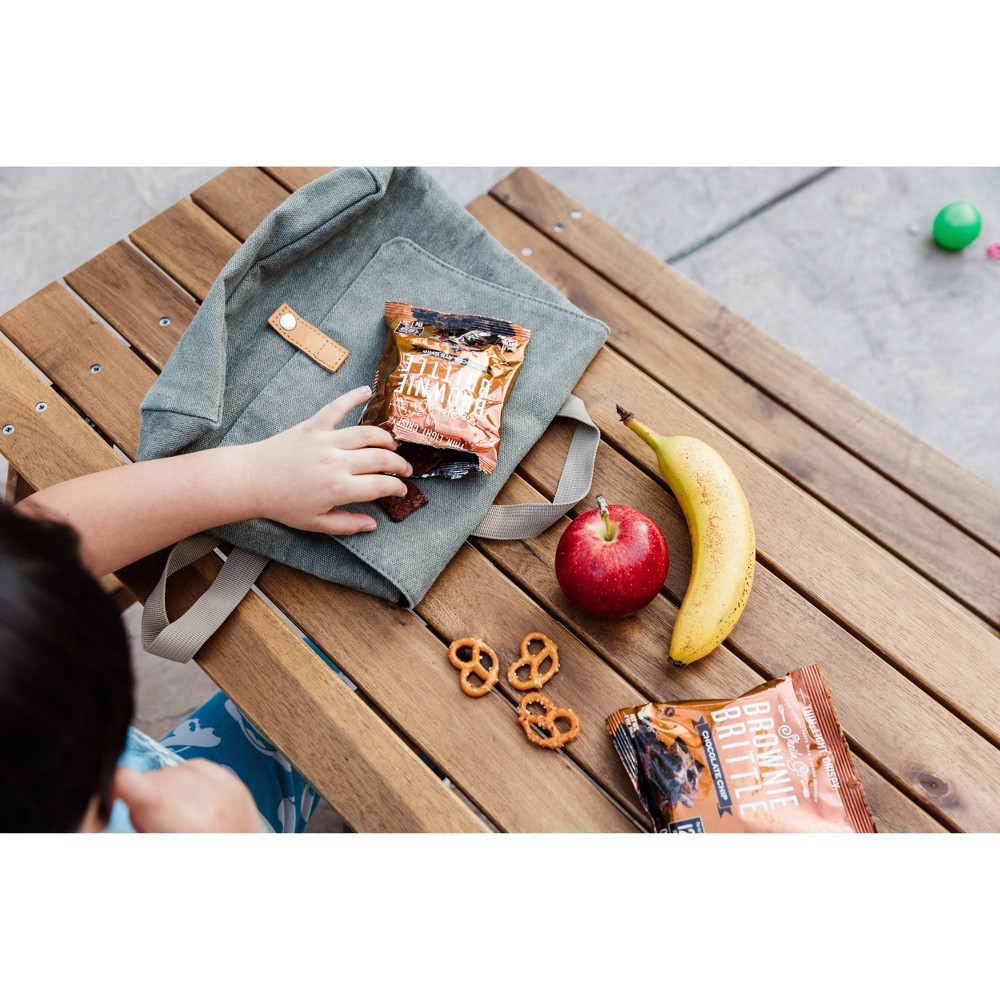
<point>722,540</point>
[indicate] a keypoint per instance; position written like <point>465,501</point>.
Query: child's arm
<point>296,477</point>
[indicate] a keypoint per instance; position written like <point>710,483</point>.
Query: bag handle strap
<point>181,639</point>
<point>507,522</point>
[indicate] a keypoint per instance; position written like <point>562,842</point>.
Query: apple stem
<point>609,530</point>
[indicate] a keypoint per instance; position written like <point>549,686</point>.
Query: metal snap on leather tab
<point>287,322</point>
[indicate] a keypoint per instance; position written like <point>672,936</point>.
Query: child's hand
<point>298,476</point>
<point>197,796</point>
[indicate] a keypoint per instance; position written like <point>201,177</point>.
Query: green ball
<point>957,225</point>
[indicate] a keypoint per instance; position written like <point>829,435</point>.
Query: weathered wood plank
<point>90,365</point>
<point>188,244</point>
<point>239,198</point>
<point>135,297</point>
<point>924,539</point>
<point>47,445</point>
<point>893,811</point>
<point>945,767</point>
<point>888,447</point>
<point>350,755</point>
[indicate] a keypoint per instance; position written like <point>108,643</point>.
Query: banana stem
<point>628,419</point>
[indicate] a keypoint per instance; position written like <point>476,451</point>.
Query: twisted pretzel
<point>546,721</point>
<point>549,651</point>
<point>474,665</point>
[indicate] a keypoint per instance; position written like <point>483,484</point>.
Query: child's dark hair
<point>66,686</point>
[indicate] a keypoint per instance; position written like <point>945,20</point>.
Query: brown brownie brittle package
<point>772,761</point>
<point>442,384</point>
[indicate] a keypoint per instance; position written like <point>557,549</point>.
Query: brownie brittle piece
<point>400,508</point>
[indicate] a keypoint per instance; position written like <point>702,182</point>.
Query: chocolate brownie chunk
<point>400,508</point>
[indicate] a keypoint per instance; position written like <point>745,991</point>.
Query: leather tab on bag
<point>322,349</point>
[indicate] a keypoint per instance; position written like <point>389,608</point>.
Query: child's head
<point>66,682</point>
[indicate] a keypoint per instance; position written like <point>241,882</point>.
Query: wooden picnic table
<point>878,556</point>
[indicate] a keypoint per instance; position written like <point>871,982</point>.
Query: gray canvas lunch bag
<point>334,253</point>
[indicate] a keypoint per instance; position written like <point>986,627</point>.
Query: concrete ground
<point>837,264</point>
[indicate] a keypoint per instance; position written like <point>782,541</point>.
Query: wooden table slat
<point>946,554</point>
<point>65,341</point>
<point>239,198</point>
<point>890,448</point>
<point>49,445</point>
<point>188,244</point>
<point>893,811</point>
<point>134,296</point>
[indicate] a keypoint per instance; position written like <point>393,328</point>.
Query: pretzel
<point>549,651</point>
<point>546,721</point>
<point>474,665</point>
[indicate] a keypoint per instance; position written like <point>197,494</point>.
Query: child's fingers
<point>368,460</point>
<point>364,436</point>
<point>127,784</point>
<point>360,488</point>
<point>334,412</point>
<point>343,522</point>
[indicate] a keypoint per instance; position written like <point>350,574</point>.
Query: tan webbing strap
<point>507,522</point>
<point>181,639</point>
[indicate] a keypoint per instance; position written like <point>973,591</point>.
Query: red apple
<point>611,561</point>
